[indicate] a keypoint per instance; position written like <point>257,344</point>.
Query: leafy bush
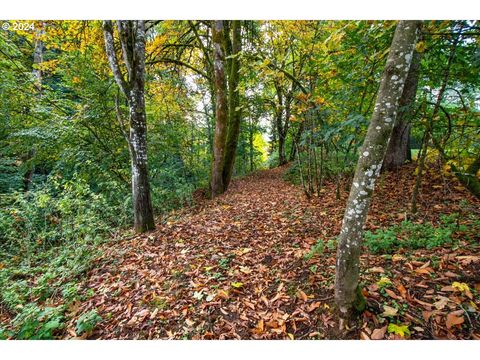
<point>58,212</point>
<point>40,324</point>
<point>172,186</point>
<point>10,178</point>
<point>87,322</point>
<point>410,235</point>
<point>49,237</point>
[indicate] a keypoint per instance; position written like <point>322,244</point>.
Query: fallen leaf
<point>313,306</point>
<point>363,336</point>
<point>389,311</point>
<point>302,295</point>
<point>401,289</point>
<point>378,334</point>
<point>454,319</point>
<point>440,304</point>
<point>392,294</point>
<point>426,315</point>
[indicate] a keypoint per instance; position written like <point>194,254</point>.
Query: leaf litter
<point>236,268</point>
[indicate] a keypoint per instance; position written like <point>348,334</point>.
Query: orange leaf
<point>313,306</point>
<point>401,289</point>
<point>424,270</point>
<point>302,295</point>
<point>453,319</point>
<point>392,294</point>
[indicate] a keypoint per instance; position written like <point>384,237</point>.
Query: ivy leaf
<point>401,330</point>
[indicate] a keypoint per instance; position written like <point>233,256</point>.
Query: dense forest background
<point>296,94</point>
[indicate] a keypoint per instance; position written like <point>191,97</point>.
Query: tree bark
<point>469,178</point>
<point>369,165</point>
<point>398,151</point>
<point>234,110</point>
<point>132,39</point>
<point>429,127</point>
<point>221,109</point>
<point>37,73</point>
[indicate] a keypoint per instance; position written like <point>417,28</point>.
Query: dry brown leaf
<point>401,289</point>
<point>454,318</point>
<point>363,336</point>
<point>389,311</point>
<point>302,295</point>
<point>392,294</point>
<point>378,334</point>
<point>440,304</point>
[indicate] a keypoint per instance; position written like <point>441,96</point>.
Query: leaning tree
<point>369,165</point>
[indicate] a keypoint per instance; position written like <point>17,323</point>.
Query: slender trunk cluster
<point>132,40</point>
<point>429,127</point>
<point>282,121</point>
<point>369,165</point>
<point>227,102</point>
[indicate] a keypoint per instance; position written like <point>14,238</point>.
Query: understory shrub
<point>49,237</point>
<point>409,235</point>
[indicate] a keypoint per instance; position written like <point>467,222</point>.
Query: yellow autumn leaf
<point>462,287</point>
<point>420,47</point>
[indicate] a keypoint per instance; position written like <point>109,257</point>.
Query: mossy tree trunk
<point>469,177</point>
<point>369,165</point>
<point>221,109</point>
<point>234,109</point>
<point>132,40</point>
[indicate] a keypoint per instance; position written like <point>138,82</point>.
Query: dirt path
<point>231,268</point>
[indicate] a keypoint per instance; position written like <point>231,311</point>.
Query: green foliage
<point>10,177</point>
<point>401,330</point>
<point>318,248</point>
<point>410,235</point>
<point>172,185</point>
<point>58,213</point>
<point>360,302</point>
<point>49,238</point>
<point>38,324</point>
<point>333,164</point>
<point>87,322</point>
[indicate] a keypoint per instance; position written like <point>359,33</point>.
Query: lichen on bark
<point>369,166</point>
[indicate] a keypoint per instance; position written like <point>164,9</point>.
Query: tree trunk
<point>132,39</point>
<point>221,110</point>
<point>469,178</point>
<point>234,111</point>
<point>296,140</point>
<point>37,73</point>
<point>429,127</point>
<point>369,166</point>
<point>398,151</point>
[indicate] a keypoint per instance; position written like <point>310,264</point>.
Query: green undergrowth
<point>49,238</point>
<point>408,235</point>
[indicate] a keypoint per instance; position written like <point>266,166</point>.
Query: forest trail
<point>235,267</point>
